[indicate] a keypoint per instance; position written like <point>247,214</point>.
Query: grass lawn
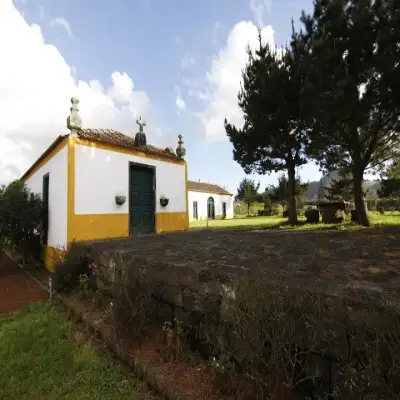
<point>40,360</point>
<point>254,222</point>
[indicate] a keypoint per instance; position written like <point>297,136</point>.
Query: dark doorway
<point>45,198</point>
<point>195,210</point>
<point>223,210</point>
<point>210,208</point>
<point>142,199</point>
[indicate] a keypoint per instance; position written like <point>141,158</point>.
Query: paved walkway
<point>16,288</point>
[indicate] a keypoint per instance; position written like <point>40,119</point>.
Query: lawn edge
<point>140,370</point>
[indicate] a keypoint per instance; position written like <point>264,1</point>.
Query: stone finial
<point>180,150</point>
<point>141,124</point>
<point>140,137</point>
<point>74,121</point>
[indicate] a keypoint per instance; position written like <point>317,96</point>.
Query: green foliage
<point>346,99</point>
<point>240,208</point>
<point>68,276</point>
<point>21,216</point>
<point>281,191</point>
<point>389,188</point>
<point>272,138</point>
<point>340,189</point>
<point>267,203</point>
<point>248,192</point>
<point>312,215</point>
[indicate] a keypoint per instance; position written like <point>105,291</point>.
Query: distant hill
<point>315,187</point>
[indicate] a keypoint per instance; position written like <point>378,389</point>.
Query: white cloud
<point>222,82</point>
<point>187,61</point>
<point>36,85</point>
<point>180,103</point>
<point>260,9</point>
<point>60,21</point>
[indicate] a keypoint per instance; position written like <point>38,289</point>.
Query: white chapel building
<point>102,184</point>
<point>209,201</point>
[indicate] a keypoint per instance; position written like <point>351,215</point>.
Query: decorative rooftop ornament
<point>74,121</point>
<point>140,137</point>
<point>180,150</point>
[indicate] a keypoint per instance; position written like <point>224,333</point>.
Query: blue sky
<point>183,54</point>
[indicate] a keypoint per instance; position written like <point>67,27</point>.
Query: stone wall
<point>312,341</point>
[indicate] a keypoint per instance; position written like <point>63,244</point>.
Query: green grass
<point>40,360</point>
<point>255,222</point>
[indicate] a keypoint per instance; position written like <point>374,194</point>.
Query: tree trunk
<point>292,203</point>
<point>362,215</point>
<point>248,209</point>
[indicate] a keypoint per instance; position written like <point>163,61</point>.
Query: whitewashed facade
<point>101,174</point>
<point>56,169</point>
<point>209,201</point>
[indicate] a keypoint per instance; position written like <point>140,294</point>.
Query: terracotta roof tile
<point>109,136</point>
<point>206,188</point>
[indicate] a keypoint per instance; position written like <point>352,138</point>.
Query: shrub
<point>21,217</point>
<point>68,275</point>
<point>277,209</point>
<point>312,215</point>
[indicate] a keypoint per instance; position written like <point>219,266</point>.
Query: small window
<point>195,210</point>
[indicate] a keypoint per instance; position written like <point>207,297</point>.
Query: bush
<point>21,216</point>
<point>312,215</point>
<point>277,209</point>
<point>66,276</point>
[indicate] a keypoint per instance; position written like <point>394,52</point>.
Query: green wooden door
<point>142,205</point>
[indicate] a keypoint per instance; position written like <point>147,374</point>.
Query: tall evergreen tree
<point>340,188</point>
<point>280,192</point>
<point>248,192</point>
<point>354,120</point>
<point>272,138</point>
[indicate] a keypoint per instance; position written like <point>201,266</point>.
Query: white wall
<point>202,198</point>
<point>100,175</point>
<point>57,168</point>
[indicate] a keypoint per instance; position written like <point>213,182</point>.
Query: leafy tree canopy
<point>280,191</point>
<point>248,192</point>
<point>272,138</point>
<point>21,215</point>
<point>346,99</point>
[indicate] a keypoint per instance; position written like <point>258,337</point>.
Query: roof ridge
<point>113,137</point>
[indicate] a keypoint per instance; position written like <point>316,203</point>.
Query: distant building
<point>209,201</point>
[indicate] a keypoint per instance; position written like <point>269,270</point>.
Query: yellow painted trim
<point>86,227</point>
<point>99,226</point>
<point>54,148</point>
<point>171,222</point>
<point>53,256</point>
<point>132,152</point>
<point>71,190</point>
<point>187,197</point>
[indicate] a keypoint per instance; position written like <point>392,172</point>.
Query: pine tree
<point>272,138</point>
<point>248,192</point>
<point>350,104</point>
<point>340,188</point>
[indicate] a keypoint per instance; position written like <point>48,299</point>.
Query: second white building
<point>209,201</point>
